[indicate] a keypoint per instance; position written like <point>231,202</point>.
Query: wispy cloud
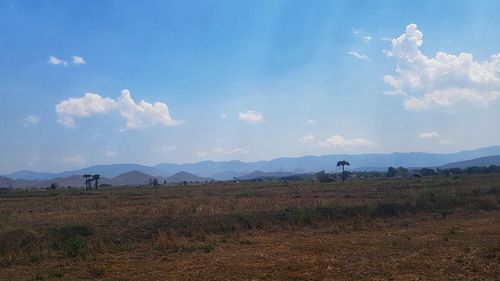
<point>359,55</point>
<point>31,120</point>
<point>74,159</point>
<point>340,141</point>
<point>310,122</point>
<point>76,60</point>
<point>429,135</point>
<point>307,138</point>
<point>434,136</point>
<point>222,151</point>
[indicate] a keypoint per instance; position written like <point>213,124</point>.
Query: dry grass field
<point>434,228</point>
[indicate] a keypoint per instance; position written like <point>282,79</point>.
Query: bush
<point>16,240</point>
<point>71,238</point>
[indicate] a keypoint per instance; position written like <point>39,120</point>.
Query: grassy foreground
<point>435,228</point>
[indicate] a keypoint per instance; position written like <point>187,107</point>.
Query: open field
<point>435,228</point>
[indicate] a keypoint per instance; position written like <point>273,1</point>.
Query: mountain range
<point>225,170</point>
<point>128,178</point>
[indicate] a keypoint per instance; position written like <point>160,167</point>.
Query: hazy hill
<point>227,169</point>
<point>477,162</point>
<point>185,176</point>
<point>130,178</point>
<point>265,175</point>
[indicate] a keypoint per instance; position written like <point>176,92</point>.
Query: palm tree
<point>88,181</point>
<point>343,163</point>
<point>96,180</point>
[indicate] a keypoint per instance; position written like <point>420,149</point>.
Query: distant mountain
<point>30,175</point>
<point>265,175</point>
<point>130,178</point>
<point>109,171</point>
<point>6,182</point>
<point>477,162</point>
<point>184,176</point>
<point>227,175</point>
<point>224,170</point>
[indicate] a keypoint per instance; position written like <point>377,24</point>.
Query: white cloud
<point>444,81</point>
<point>85,106</point>
<point>31,120</point>
<point>367,38</point>
<point>359,55</point>
<point>355,31</point>
<point>137,115</point>
<point>251,116</point>
<point>55,61</point>
<point>429,135</point>
<point>310,122</point>
<point>307,138</point>
<point>143,114</point>
<point>78,60</point>
<point>340,141</point>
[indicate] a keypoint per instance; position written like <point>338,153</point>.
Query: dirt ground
<point>464,246</point>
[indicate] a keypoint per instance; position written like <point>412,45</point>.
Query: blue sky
<point>93,82</point>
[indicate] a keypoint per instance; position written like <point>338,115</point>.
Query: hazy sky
<point>92,82</point>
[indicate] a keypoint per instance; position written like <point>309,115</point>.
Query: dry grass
<point>397,229</point>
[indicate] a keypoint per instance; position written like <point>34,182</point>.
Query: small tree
<point>391,172</point>
<point>323,176</point>
<point>343,163</point>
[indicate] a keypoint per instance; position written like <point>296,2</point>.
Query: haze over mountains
<point>225,170</point>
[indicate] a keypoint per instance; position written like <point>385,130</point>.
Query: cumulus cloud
<point>137,115</point>
<point>307,138</point>
<point>443,81</point>
<point>78,60</point>
<point>429,135</point>
<point>340,141</point>
<point>359,55</point>
<point>55,61</point>
<point>251,116</point>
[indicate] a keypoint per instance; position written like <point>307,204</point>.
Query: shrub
<point>71,238</point>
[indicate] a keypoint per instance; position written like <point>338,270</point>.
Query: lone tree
<point>343,163</point>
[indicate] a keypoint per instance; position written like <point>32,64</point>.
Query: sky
<point>98,82</point>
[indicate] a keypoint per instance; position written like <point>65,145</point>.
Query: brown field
<point>435,228</point>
